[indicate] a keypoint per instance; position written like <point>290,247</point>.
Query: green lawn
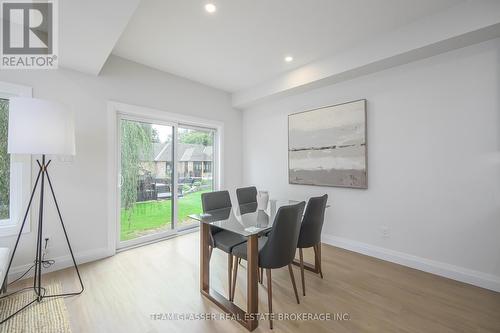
<point>157,214</point>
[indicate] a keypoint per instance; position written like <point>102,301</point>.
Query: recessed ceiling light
<point>288,58</point>
<point>210,7</point>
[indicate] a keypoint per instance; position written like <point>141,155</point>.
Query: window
<point>207,166</point>
<point>15,170</point>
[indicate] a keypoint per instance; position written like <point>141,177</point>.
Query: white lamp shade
<point>37,126</point>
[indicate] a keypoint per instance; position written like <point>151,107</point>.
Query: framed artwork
<point>327,146</point>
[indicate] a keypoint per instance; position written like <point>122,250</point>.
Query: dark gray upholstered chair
<point>247,199</point>
<point>224,240</point>
<point>310,233</point>
<point>278,249</point>
<point>246,195</point>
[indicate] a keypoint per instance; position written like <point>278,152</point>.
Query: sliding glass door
<point>164,169</point>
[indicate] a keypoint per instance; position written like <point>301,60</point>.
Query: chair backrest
<point>312,223</point>
<point>246,195</point>
<point>215,200</point>
<point>280,248</point>
<point>248,208</point>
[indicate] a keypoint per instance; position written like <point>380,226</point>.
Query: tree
<point>4,160</point>
<point>136,146</point>
<point>196,137</point>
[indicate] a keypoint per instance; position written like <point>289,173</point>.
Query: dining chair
<point>221,239</point>
<point>310,233</point>
<point>277,250</point>
<point>246,195</point>
<point>247,199</point>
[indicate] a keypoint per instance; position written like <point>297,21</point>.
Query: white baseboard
<point>61,262</point>
<point>461,274</point>
<point>458,273</point>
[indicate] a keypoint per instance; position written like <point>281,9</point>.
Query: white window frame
<point>20,174</point>
<point>140,113</point>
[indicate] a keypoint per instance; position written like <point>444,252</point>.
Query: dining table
<point>250,221</point>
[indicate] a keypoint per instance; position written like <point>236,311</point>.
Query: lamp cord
<point>45,264</point>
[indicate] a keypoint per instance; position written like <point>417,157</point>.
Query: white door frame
<point>117,111</point>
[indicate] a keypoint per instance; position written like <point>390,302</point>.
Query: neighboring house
<point>194,160</point>
<point>194,163</point>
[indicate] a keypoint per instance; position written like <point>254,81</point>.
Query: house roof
<point>187,152</point>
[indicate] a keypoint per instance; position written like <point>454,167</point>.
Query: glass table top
<point>245,220</point>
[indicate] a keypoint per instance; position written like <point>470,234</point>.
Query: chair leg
<point>229,273</point>
<point>316,260</point>
<point>261,275</point>
<point>301,258</point>
<point>235,273</point>
<point>317,253</point>
<point>239,261</point>
<point>258,274</point>
<point>293,283</point>
<point>269,296</point>
<point>316,263</point>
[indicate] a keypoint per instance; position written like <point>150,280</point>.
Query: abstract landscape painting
<point>327,146</point>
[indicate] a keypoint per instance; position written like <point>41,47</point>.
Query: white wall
<point>81,185</point>
<point>433,163</point>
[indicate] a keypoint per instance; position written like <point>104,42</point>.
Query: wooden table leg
<point>248,319</point>
<point>204,258</point>
<point>252,277</point>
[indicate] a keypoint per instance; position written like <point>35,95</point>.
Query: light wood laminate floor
<point>122,292</point>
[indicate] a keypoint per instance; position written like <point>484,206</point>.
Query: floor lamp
<point>40,127</point>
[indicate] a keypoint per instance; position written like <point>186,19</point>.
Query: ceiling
<point>244,43</point>
<point>83,46</point>
<point>241,48</point>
